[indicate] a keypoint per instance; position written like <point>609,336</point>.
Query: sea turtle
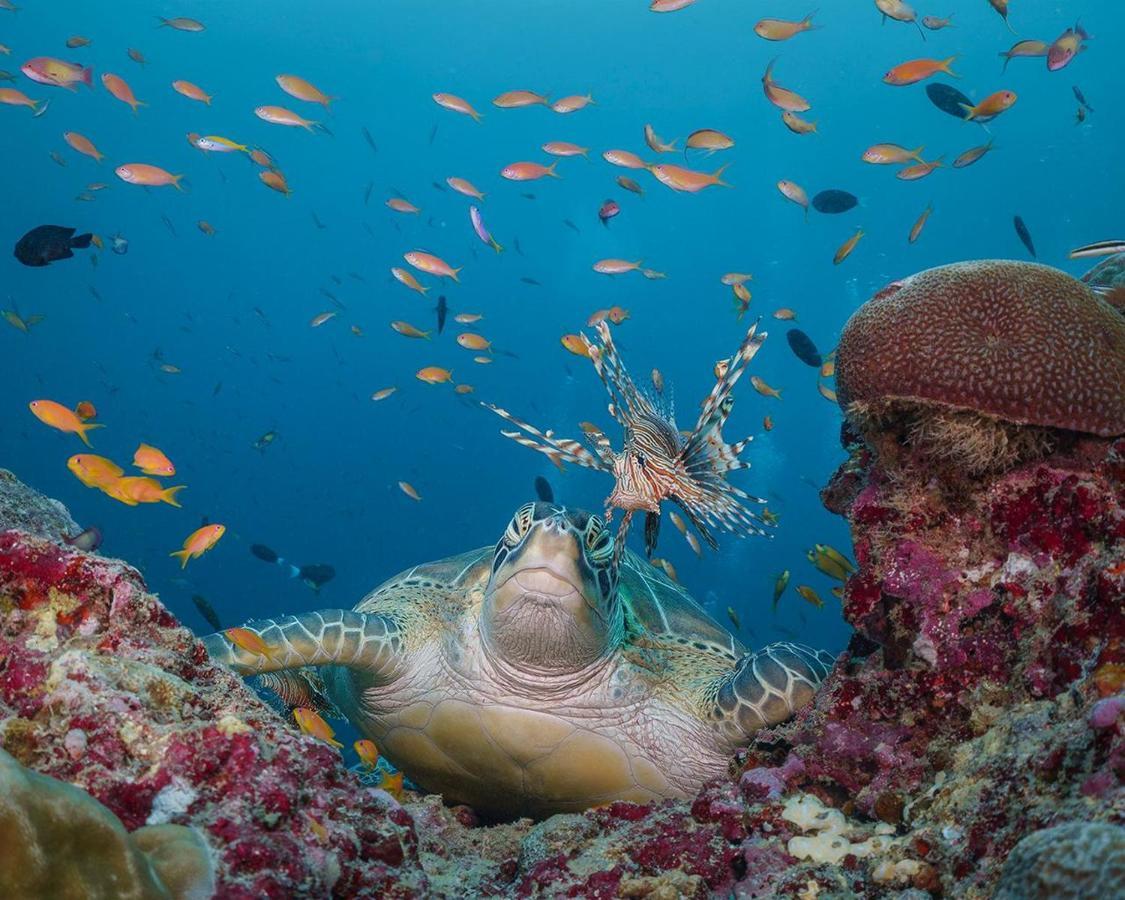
<point>546,674</point>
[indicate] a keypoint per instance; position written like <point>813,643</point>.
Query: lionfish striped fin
<point>558,450</point>
<point>626,401</point>
<point>716,407</point>
<point>598,441</point>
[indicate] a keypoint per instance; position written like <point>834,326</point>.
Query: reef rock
<point>981,701</point>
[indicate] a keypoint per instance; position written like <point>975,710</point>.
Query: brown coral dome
<point>1012,340</point>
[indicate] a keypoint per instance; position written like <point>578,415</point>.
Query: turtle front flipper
<point>770,685</point>
<point>327,637</point>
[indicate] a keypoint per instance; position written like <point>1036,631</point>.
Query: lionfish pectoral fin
<point>697,523</point>
<point>558,450</point>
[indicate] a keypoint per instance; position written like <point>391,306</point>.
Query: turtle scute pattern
<point>770,685</point>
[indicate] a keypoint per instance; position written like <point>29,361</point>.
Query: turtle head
<point>551,603</point>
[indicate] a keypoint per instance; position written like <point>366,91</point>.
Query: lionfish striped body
<point>657,462</point>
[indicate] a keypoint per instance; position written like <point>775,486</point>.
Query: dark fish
<point>608,210</point>
<point>57,158</point>
<point>218,387</point>
<point>441,309</point>
<point>370,140</point>
<point>337,279</point>
<point>168,224</point>
<point>516,244</point>
<point>88,540</point>
<point>833,201</point>
<point>1024,236</point>
<point>801,345</point>
<point>265,440</point>
<point>367,192</point>
<point>531,281</point>
<point>316,221</point>
<point>49,243</point>
<point>357,277</point>
<point>543,489</point>
<point>317,575</point>
<point>94,293</point>
<point>437,187</point>
<point>1081,98</point>
<point>948,99</point>
<point>207,611</point>
<point>433,134</point>
<point>263,553</point>
<point>528,196</point>
<point>569,224</point>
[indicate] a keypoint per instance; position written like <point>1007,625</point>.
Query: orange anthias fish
<point>790,190</point>
<point>148,176</point>
<point>404,277</point>
<point>310,722</point>
<point>971,155</point>
<point>12,97</point>
<point>434,375</point>
<point>134,489</point>
<point>279,115</point>
<point>890,155</point>
<point>847,247</point>
<point>990,107</point>
<point>298,87</point>
<point>471,341</point>
<point>94,471</point>
<point>625,159</point>
<point>919,70</point>
<point>465,187</point>
<point>275,181</point>
<point>796,124</point>
<point>916,228</point>
<point>398,204</point>
<point>781,30</point>
<point>919,170</point>
<point>199,542</point>
<point>152,461</point>
<point>83,145</point>
<point>572,103</point>
<point>191,91</point>
<point>182,23</point>
<point>61,418</point>
<point>782,98</point>
<point>407,488</point>
<point>456,104</point>
<point>518,99</point>
<point>248,640</point>
<point>681,179</point>
<point>529,171</point>
<point>564,148</point>
<point>656,144</point>
<point>392,784</point>
<point>408,330</point>
<point>575,345</point>
<point>367,752</point>
<point>431,265</point>
<point>56,73</point>
<point>120,89</point>
<point>616,266</point>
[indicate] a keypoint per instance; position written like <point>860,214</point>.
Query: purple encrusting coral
<point>981,701</point>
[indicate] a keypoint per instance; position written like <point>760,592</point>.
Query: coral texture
<point>981,701</point>
<point>1017,341</point>
<point>1067,862</point>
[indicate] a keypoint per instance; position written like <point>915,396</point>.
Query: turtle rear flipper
<point>770,685</point>
<point>368,642</point>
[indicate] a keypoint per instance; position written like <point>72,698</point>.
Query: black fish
<point>207,611</point>
<point>801,345</point>
<point>437,187</point>
<point>528,196</point>
<point>441,309</point>
<point>218,387</point>
<point>834,201</point>
<point>317,575</point>
<point>543,489</point>
<point>569,224</point>
<point>49,243</point>
<point>531,281</point>
<point>88,540</point>
<point>433,134</point>
<point>367,193</point>
<point>519,249</point>
<point>948,99</point>
<point>1024,236</point>
<point>263,553</point>
<point>316,221</point>
<point>370,140</point>
<point>1081,98</point>
<point>168,223</point>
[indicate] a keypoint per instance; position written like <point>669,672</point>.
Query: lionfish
<point>658,462</point>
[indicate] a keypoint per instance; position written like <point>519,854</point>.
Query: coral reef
<point>1067,862</point>
<point>983,364</point>
<point>981,701</point>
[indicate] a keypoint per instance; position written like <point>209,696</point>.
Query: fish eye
<point>641,461</point>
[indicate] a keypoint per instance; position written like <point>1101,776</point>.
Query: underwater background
<point>232,310</point>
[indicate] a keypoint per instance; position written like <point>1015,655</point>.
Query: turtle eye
<point>599,542</point>
<point>520,525</point>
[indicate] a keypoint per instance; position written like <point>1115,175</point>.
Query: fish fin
<point>169,495</point>
<point>1007,59</point>
<point>183,556</point>
<point>322,129</point>
<point>82,241</point>
<point>917,154</point>
<point>88,76</point>
<point>944,67</point>
<point>558,450</point>
<point>496,246</point>
<point>718,173</point>
<point>551,170</point>
<point>970,111</point>
<point>454,275</point>
<point>83,428</point>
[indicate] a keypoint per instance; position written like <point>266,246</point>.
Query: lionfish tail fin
<point>558,450</point>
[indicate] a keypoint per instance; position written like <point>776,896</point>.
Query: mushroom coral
<point>60,842</point>
<point>983,363</point>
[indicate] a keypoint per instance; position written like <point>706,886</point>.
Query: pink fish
<point>482,230</point>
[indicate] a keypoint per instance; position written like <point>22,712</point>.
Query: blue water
<point>326,489</point>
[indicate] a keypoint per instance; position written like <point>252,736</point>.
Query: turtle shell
<point>663,609</point>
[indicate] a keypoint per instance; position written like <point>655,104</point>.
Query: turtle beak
<point>545,571</point>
